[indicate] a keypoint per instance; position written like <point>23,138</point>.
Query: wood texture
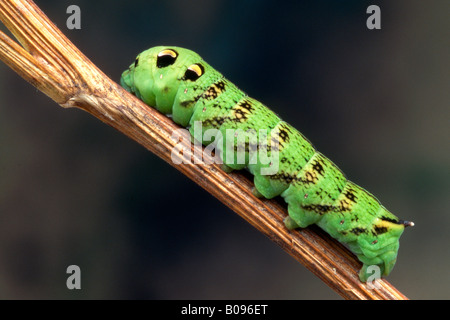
<point>49,61</point>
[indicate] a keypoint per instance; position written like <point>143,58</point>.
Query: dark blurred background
<point>376,102</point>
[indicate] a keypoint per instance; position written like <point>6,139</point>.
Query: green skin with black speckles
<point>178,82</point>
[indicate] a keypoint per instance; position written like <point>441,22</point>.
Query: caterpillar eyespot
<point>194,72</point>
<point>315,189</point>
<point>166,58</point>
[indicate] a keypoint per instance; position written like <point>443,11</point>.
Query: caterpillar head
<point>167,78</point>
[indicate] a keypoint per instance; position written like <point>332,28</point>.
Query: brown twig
<point>49,61</point>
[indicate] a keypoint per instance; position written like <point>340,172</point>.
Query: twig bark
<point>49,61</point>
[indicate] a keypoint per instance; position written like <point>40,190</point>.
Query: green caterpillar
<point>179,83</point>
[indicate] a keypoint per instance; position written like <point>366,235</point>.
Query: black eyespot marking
<point>194,72</point>
<point>166,58</point>
<point>136,62</point>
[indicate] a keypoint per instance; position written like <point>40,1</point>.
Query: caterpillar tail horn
<point>406,223</point>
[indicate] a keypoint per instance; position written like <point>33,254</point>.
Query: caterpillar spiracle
<point>177,82</point>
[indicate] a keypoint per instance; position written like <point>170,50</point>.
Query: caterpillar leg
<point>290,223</point>
<point>369,270</point>
<point>302,218</point>
<point>226,168</point>
<point>378,266</point>
<point>256,193</point>
<point>264,185</point>
<point>297,211</point>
